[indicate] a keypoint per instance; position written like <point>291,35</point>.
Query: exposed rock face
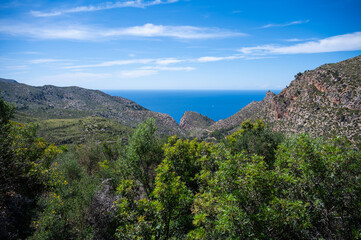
<point>248,112</point>
<point>50,102</point>
<point>102,212</point>
<point>325,101</point>
<point>195,121</point>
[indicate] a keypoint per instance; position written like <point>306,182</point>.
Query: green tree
<point>327,178</point>
<point>143,154</point>
<point>24,160</point>
<point>255,138</point>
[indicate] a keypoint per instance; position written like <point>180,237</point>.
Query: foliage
<point>143,154</point>
<point>24,161</point>
<point>81,130</point>
<point>313,191</point>
<point>255,138</point>
<point>327,177</point>
<point>254,184</point>
<point>66,205</point>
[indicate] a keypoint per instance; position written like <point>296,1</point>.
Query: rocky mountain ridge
<point>194,123</point>
<point>51,102</point>
<point>325,101</point>
<point>322,102</point>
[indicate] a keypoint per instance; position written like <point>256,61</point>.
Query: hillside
<point>50,102</point>
<point>322,102</point>
<point>195,123</point>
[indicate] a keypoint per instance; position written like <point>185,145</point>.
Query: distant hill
<point>50,102</point>
<point>195,123</point>
<point>322,102</point>
<point>7,80</point>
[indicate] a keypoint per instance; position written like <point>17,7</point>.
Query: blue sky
<point>174,44</point>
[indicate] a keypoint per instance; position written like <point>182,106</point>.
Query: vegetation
<point>253,184</point>
<point>80,130</point>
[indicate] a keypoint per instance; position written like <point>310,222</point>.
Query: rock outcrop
<point>322,102</point>
<point>195,121</point>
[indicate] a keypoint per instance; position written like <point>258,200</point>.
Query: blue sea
<point>215,104</point>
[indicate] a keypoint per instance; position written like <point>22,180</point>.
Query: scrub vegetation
<point>252,184</point>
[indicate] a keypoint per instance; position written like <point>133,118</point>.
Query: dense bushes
<point>253,184</point>
<point>305,188</point>
<point>24,165</point>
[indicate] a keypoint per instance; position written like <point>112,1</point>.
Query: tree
<point>24,160</point>
<point>255,138</point>
<point>326,178</point>
<point>143,154</point>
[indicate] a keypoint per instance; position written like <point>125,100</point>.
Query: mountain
<point>7,80</point>
<point>50,102</point>
<point>195,123</point>
<point>322,102</point>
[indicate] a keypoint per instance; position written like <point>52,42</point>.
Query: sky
<point>174,44</point>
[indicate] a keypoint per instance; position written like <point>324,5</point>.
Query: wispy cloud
<point>103,6</point>
<point>28,53</point>
<point>162,63</point>
<point>45,60</point>
<point>95,34</point>
<point>346,42</point>
<point>161,68</point>
<point>137,73</point>
<point>284,24</point>
<point>166,61</point>
<point>16,67</point>
<point>151,70</point>
<point>69,79</point>
<point>299,39</point>
<point>112,63</point>
<point>216,59</point>
<point>157,61</point>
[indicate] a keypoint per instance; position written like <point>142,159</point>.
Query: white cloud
<point>167,61</point>
<point>161,63</point>
<point>157,61</point>
<point>45,60</point>
<point>284,24</point>
<point>69,79</point>
<point>16,67</point>
<point>103,6</point>
<point>299,39</point>
<point>96,34</point>
<point>112,63</point>
<point>346,42</point>
<point>137,73</point>
<point>187,69</point>
<point>151,70</point>
<point>185,32</point>
<point>216,59</point>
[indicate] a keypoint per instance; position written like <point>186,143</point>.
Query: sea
<point>215,104</point>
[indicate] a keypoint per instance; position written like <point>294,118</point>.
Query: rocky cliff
<point>325,101</point>
<point>195,123</point>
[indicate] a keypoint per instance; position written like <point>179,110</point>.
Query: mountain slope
<point>50,102</point>
<point>325,101</point>
<point>195,123</point>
